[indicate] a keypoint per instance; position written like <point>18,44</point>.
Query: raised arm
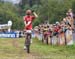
<point>35,14</point>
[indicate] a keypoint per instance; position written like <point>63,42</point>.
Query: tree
<point>48,10</point>
<point>54,10</point>
<point>10,14</point>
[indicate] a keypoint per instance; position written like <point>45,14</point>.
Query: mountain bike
<point>28,41</point>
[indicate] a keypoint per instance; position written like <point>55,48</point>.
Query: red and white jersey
<point>28,20</point>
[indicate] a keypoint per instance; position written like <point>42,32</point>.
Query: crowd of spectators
<point>59,33</point>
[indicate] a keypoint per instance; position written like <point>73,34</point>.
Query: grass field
<point>13,49</point>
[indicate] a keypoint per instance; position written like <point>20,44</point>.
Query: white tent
<point>6,26</point>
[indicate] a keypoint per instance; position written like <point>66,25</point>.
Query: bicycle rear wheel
<point>28,42</point>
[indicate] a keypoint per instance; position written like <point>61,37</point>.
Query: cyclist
<point>28,19</point>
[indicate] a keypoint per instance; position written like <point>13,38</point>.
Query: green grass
<point>13,49</point>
